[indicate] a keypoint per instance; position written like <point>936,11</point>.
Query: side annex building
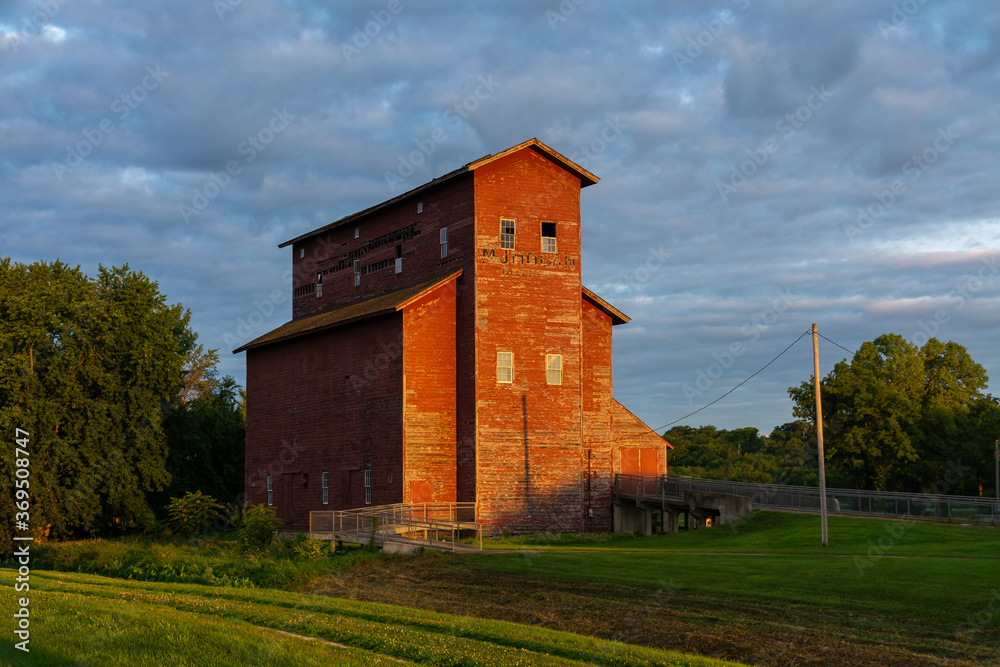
<point>443,348</point>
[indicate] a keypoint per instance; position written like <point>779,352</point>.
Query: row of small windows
<point>505,368</point>
<point>508,232</point>
<point>359,270</point>
<point>324,488</point>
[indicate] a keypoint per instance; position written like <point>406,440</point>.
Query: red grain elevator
<point>443,348</point>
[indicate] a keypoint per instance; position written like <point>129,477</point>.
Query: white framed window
<point>357,232</point>
<point>444,242</point>
<point>319,285</point>
<point>399,259</point>
<point>507,234</point>
<point>368,487</point>
<point>270,491</point>
<point>548,237</point>
<point>553,368</point>
<point>420,207</point>
<point>357,272</point>
<point>325,487</point>
<point>505,367</point>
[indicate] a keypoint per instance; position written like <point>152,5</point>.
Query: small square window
<point>553,368</point>
<point>505,367</point>
<point>325,487</point>
<point>548,237</point>
<point>507,234</point>
<point>444,242</point>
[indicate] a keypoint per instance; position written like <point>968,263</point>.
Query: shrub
<point>311,548</point>
<point>192,511</point>
<point>257,526</point>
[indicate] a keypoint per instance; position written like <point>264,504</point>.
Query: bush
<point>191,512</point>
<point>257,525</point>
<point>311,549</point>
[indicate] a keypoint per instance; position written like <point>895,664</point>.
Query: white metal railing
<point>411,523</point>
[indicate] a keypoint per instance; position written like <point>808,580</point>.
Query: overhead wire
<point>758,371</point>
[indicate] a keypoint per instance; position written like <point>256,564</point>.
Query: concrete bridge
<point>640,500</point>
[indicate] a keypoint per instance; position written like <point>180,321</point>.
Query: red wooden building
<point>443,348</point>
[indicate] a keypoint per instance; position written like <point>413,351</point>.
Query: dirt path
<point>750,632</point>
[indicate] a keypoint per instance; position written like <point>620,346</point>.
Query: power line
<point>804,333</point>
<point>837,344</point>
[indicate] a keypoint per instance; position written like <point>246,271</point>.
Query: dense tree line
<point>103,373</point>
<point>895,417</point>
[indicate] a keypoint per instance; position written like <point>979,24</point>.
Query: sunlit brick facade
<point>443,348</point>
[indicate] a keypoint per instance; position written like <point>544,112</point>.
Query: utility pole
<point>819,436</point>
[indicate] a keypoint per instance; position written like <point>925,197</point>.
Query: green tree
<point>87,366</point>
<point>894,414</point>
<point>206,438</point>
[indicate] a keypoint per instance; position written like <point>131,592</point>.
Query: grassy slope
<point>948,577</point>
<point>87,619</point>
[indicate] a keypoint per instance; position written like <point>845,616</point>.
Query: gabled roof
<point>382,304</point>
<point>586,178</point>
<point>617,316</point>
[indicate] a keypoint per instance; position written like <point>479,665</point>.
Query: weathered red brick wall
<point>529,454</point>
<point>630,432</point>
<point>328,401</point>
<point>598,436</point>
<point>449,204</point>
<point>429,397</point>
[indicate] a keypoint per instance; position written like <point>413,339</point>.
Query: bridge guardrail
<point>806,498</point>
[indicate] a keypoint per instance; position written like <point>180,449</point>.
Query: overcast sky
<point>764,165</point>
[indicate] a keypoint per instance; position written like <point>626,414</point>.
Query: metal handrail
<point>806,498</point>
<point>392,521</point>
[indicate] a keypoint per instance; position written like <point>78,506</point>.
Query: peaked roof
<point>586,178</point>
<point>617,316</point>
<point>382,304</point>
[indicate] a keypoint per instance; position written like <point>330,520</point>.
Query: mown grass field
<point>762,590</point>
<point>89,619</point>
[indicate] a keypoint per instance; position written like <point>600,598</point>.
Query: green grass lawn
<point>89,619</point>
<point>786,533</point>
<point>936,582</point>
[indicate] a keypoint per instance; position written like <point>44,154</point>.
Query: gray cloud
<point>851,208</point>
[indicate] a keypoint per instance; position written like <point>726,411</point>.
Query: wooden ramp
<point>401,527</point>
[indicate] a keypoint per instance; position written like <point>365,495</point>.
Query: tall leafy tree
<point>87,366</point>
<point>895,414</point>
